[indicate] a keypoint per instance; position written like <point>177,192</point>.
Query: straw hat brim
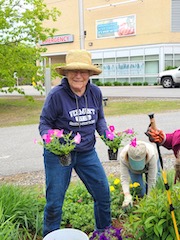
<point>78,66</point>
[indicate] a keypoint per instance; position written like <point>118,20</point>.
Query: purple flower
<point>108,234</point>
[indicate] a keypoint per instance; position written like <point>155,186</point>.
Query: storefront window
<point>151,67</point>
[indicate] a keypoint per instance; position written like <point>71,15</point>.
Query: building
<point>131,40</point>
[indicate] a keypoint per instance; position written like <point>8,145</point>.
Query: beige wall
<point>152,23</point>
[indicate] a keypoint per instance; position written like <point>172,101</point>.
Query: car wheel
<point>167,82</point>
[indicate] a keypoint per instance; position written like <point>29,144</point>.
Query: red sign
<point>58,39</point>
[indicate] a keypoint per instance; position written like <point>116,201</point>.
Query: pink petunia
<point>58,133</point>
<point>129,131</point>
<point>111,128</point>
<point>51,131</point>
<point>109,135</point>
<point>133,143</point>
<point>77,138</point>
<point>46,138</point>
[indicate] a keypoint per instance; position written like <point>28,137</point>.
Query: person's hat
<point>78,60</point>
<point>137,156</point>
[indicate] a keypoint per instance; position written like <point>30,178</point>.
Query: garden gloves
<point>128,202</point>
<point>156,136</point>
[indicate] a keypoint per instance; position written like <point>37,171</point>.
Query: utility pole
<point>81,23</point>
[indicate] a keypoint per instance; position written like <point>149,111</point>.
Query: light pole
<point>81,24</point>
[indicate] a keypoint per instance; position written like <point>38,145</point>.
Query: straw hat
<point>137,156</point>
<point>78,60</point>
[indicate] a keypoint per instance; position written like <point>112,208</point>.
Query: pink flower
<point>133,143</point>
<point>109,135</point>
<point>50,132</point>
<point>46,138</point>
<point>77,138</point>
<point>111,128</point>
<point>58,133</point>
<point>52,141</point>
<point>129,131</point>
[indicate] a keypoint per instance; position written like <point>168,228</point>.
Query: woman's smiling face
<point>78,80</point>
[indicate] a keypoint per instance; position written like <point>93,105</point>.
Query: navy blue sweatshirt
<point>65,110</point>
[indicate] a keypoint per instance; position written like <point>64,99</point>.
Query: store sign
<point>116,27</point>
<point>58,39</point>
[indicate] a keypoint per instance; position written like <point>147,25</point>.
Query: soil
<point>111,167</point>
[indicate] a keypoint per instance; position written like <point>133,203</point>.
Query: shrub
<point>98,83</point>
<point>170,67</point>
<point>126,84</point>
<point>116,83</point>
<point>108,84</point>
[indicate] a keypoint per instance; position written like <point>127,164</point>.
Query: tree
<point>21,29</point>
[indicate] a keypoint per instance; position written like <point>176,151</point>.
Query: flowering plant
<point>110,233</point>
<point>59,143</point>
<point>135,189</point>
<point>115,140</point>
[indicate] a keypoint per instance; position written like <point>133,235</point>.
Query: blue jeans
<point>143,180</point>
<point>89,169</point>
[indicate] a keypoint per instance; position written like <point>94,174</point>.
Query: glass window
<point>136,58</point>
<point>177,56</point>
<point>97,61</point>
<point>151,57</point>
<point>109,60</point>
<point>121,59</point>
<point>177,63</point>
<point>168,56</point>
<point>168,63</point>
<point>151,67</point>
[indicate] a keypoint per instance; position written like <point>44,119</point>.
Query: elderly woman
<point>75,106</point>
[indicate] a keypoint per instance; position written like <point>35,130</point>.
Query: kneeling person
<point>136,159</point>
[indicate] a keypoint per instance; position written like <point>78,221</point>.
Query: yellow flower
<point>131,185</point>
<point>112,189</point>
<point>136,184</point>
<point>116,181</point>
<point>34,84</point>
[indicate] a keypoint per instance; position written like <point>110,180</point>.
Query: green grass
<point>140,107</point>
<point>16,111</point>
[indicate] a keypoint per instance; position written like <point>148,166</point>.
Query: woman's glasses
<point>81,72</point>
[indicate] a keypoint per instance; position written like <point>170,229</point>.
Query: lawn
<point>16,111</point>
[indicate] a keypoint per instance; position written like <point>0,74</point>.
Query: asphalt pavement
<point>118,91</point>
<point>19,153</point>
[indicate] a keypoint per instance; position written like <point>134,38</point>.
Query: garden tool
<point>153,126</point>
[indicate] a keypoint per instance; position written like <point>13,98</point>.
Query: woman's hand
<point>156,136</point>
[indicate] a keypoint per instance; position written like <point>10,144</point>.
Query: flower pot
<point>112,155</point>
<point>65,160</point>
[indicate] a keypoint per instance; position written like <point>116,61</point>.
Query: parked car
<point>169,78</point>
